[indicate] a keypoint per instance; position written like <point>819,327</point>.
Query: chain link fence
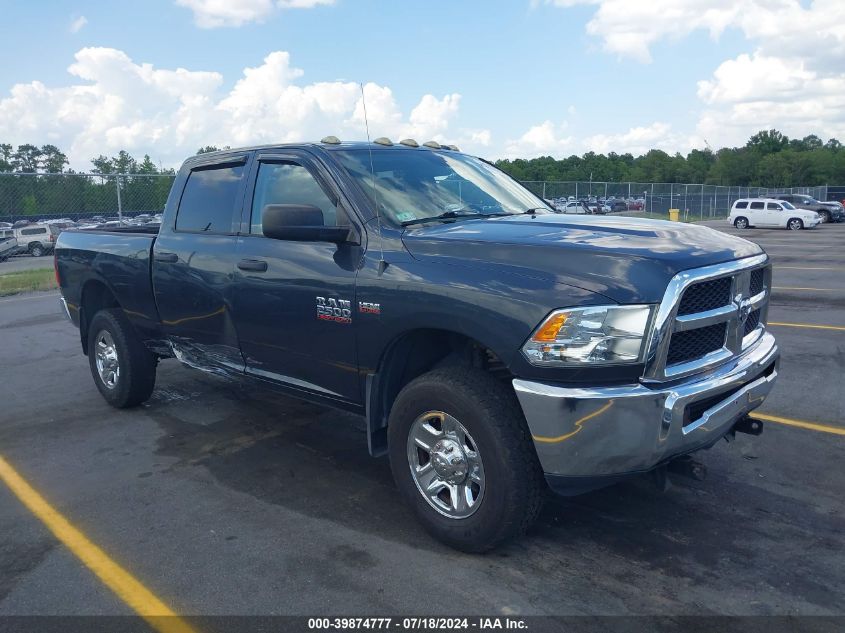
<point>77,197</point>
<point>80,196</point>
<point>695,201</point>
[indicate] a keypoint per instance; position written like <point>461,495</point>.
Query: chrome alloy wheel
<point>108,365</point>
<point>446,465</point>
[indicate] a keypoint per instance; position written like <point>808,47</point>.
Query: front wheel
<point>123,369</point>
<point>795,224</point>
<point>37,250</point>
<point>825,217</point>
<point>741,223</point>
<point>463,458</point>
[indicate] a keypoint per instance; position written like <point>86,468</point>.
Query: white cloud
<point>116,103</point>
<point>791,79</point>
<point>756,91</point>
<point>641,139</point>
<point>209,14</point>
<point>77,24</point>
<point>545,139</point>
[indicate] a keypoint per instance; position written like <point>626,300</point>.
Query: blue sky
<point>517,78</point>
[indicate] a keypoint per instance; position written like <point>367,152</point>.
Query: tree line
<point>768,159</point>
<point>31,189</point>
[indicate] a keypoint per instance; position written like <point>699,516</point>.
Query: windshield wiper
<point>530,211</point>
<point>446,215</point>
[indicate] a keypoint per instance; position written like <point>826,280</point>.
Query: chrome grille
<point>752,322</point>
<point>708,316</point>
<point>692,344</point>
<point>757,280</point>
<point>706,295</point>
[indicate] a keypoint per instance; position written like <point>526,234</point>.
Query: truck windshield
<point>413,185</point>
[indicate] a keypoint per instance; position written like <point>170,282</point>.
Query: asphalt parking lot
<point>25,262</point>
<point>221,499</point>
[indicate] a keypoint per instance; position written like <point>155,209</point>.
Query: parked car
<point>576,207</point>
<point>473,343</point>
<point>828,211</point>
<point>769,212</point>
<point>8,245</point>
<point>635,205</point>
<point>36,239</point>
<point>617,205</point>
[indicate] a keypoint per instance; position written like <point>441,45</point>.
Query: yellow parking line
<point>801,424</point>
<point>838,328</point>
<point>115,577</point>
<point>813,289</point>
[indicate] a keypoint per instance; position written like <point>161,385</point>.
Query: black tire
<point>825,216</point>
<point>741,223</point>
<point>794,224</point>
<point>490,413</point>
<point>36,250</point>
<point>137,365</point>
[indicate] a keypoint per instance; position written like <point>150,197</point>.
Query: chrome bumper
<point>604,432</point>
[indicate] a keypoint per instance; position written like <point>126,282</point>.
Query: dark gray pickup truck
<point>494,347</point>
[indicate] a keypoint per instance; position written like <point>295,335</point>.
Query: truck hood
<point>626,259</point>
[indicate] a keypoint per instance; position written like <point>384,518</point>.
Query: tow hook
<point>687,466</point>
<point>749,425</point>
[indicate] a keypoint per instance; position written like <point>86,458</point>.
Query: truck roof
<point>343,145</point>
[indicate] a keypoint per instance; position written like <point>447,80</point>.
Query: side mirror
<point>299,223</point>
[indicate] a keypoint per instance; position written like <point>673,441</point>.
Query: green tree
<point>27,159</point>
<point>29,204</point>
<point>6,158</point>
<point>211,148</point>
<point>53,160</point>
<point>768,142</point>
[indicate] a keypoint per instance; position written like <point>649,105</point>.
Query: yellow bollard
<point>674,215</point>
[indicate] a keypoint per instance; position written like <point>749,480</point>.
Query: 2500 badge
<point>337,310</point>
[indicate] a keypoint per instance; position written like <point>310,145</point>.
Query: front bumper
<point>603,433</point>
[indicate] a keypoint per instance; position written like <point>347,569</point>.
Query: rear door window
<point>757,205</point>
<point>210,199</point>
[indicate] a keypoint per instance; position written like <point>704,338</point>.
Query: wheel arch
<point>96,295</point>
<point>411,354</point>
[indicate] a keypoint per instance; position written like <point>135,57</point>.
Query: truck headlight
<point>596,335</point>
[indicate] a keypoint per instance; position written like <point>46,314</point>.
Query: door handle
<point>256,265</point>
<point>169,258</point>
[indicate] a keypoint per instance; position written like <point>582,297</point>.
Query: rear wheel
<point>123,369</point>
<point>741,223</point>
<point>36,250</point>
<point>795,224</point>
<point>463,458</point>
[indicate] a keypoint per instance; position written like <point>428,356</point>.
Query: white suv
<point>767,212</point>
<point>36,239</point>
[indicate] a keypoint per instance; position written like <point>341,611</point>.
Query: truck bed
<point>117,259</point>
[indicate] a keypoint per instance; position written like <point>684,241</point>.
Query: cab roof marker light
<point>409,142</point>
<point>330,140</point>
<point>432,144</point>
<point>383,140</point>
